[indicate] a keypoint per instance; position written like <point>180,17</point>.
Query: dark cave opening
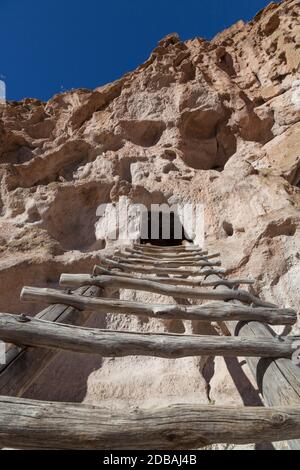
<point>162,228</point>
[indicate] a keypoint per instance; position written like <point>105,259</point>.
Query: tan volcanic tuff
<point>213,122</point>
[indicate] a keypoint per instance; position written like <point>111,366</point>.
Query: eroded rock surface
<point>212,122</point>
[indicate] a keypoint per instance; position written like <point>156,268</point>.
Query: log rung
<point>168,255</point>
<point>164,264</point>
<point>162,289</point>
<point>214,311</point>
<point>159,249</point>
<point>40,333</point>
<point>136,267</point>
<point>32,424</point>
<point>176,281</point>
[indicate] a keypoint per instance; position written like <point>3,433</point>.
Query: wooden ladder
<point>196,274</point>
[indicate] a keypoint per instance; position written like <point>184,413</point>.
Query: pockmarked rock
<point>215,123</point>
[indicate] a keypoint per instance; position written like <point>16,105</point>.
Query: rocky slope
<point>213,122</point>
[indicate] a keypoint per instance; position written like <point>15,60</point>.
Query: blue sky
<point>49,46</point>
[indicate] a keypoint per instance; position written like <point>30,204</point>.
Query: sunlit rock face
<point>216,123</point>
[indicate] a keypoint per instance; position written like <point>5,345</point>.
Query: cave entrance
<point>162,228</point>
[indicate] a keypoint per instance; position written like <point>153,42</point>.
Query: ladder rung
<point>33,332</point>
<point>162,289</point>
<point>214,311</point>
<point>32,424</point>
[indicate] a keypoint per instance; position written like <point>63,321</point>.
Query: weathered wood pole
<point>164,263</point>
<point>168,255</point>
<point>172,249</point>
<point>30,424</point>
<point>106,343</point>
<point>155,287</point>
<point>213,311</point>
<point>138,268</point>
<point>177,280</point>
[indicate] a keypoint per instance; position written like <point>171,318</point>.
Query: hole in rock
<point>19,155</point>
<point>272,24</point>
<point>169,154</point>
<point>162,228</point>
<point>226,63</point>
<point>169,167</point>
<point>296,178</point>
<point>283,228</point>
<point>228,228</point>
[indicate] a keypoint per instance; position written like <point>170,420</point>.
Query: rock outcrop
<point>211,122</point>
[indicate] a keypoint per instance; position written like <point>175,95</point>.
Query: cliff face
<point>212,122</point>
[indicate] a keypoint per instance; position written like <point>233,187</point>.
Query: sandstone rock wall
<point>212,122</point>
